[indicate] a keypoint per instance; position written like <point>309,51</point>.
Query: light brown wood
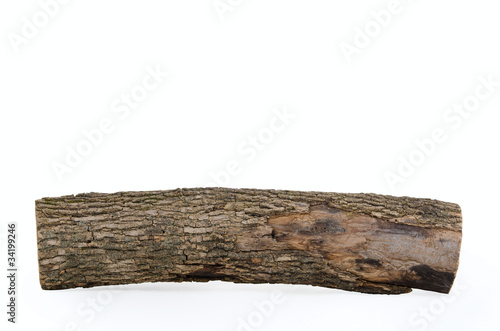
<point>358,242</point>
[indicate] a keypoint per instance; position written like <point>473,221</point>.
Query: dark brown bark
<point>358,242</point>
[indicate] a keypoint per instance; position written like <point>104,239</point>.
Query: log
<point>357,242</point>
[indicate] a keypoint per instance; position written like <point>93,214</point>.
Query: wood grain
<point>358,242</point>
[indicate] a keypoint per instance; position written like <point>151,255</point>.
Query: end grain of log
<point>357,242</point>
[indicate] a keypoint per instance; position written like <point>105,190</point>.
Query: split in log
<point>357,242</point>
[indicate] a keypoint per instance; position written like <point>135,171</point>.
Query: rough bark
<point>358,242</point>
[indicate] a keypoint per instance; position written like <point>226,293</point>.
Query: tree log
<point>357,242</point>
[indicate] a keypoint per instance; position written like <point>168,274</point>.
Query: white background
<point>353,123</point>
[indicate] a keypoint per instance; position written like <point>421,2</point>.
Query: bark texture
<point>358,242</point>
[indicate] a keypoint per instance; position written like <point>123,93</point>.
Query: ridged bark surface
<point>358,242</point>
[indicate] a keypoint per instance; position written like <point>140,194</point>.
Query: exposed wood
<point>358,242</point>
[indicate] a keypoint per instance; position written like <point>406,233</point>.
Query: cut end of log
<point>357,242</point>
